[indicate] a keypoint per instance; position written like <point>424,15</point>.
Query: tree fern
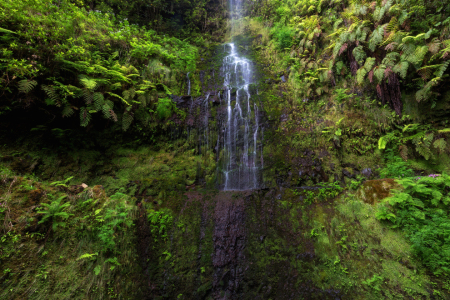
<point>25,86</point>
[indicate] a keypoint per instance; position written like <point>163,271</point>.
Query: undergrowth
<point>420,209</point>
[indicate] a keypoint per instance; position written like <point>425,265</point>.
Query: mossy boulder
<point>372,191</point>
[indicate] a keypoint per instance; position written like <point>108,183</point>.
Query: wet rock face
<point>229,243</point>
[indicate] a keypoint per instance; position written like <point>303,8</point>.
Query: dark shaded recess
<point>351,59</point>
<point>144,242</point>
<point>389,93</point>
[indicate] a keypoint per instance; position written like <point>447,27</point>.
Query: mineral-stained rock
<point>373,191</point>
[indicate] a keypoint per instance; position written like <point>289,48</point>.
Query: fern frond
<point>360,75</point>
<point>51,93</point>
<point>442,69</point>
<point>376,37</point>
<point>359,54</point>
<point>127,119</point>
<point>379,72</point>
<point>67,111</point>
<point>391,59</point>
<point>440,144</point>
<point>85,117</point>
<point>117,96</point>
<point>401,69</point>
<point>88,83</point>
<point>25,86</point>
<point>88,96</point>
<point>393,25</point>
<point>129,94</point>
<point>98,100</point>
<point>370,62</point>
<point>434,46</point>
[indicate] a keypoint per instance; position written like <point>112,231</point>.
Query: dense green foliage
<point>91,65</point>
<point>347,90</point>
<point>421,210</point>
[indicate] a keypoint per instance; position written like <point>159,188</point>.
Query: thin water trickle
<point>241,135</point>
<point>189,84</point>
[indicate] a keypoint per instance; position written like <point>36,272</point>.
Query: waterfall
<point>189,84</point>
<point>241,134</point>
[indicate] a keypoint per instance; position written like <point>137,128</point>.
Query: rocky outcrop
<point>373,191</point>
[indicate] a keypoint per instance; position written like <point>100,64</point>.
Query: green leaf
<point>97,269</point>
<point>7,31</point>
<point>382,143</point>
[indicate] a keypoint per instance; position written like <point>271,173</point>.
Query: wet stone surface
<point>229,243</point>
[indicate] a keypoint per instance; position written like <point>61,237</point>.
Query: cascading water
<point>241,136</point>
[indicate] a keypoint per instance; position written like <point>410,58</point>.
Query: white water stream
<point>241,139</point>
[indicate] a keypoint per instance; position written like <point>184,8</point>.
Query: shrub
<point>283,36</point>
<point>421,211</point>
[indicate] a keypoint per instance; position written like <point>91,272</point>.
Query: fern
<point>88,96</point>
<point>359,54</point>
<point>376,37</point>
<point>98,100</point>
<point>88,83</point>
<point>440,144</point>
<point>117,96</point>
<point>360,75</point>
<point>51,93</point>
<point>127,119</point>
<point>85,117</point>
<point>393,25</point>
<point>25,86</point>
<point>379,72</point>
<point>442,69</point>
<point>401,69</point>
<point>67,111</point>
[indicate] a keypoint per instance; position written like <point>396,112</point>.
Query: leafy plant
<point>112,219</point>
<point>62,183</point>
<point>160,223</point>
<point>374,282</point>
<point>420,210</point>
<point>55,212</point>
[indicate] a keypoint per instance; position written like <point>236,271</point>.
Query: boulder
<point>373,191</point>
